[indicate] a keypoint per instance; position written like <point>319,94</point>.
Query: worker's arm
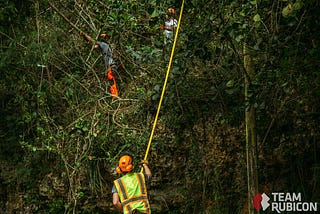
<point>86,36</point>
<point>116,201</point>
<point>147,171</point>
<point>169,28</point>
<point>89,38</point>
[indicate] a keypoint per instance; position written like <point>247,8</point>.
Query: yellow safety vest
<point>132,191</point>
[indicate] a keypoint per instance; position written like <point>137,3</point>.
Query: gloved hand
<point>144,162</point>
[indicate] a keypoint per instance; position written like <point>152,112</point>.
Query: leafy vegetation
<point>61,132</point>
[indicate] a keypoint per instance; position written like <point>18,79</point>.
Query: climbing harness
<point>164,84</point>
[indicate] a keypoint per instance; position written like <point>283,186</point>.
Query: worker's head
<point>171,11</point>
<point>104,36</point>
<point>125,164</point>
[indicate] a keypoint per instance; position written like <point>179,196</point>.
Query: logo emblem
<point>261,200</point>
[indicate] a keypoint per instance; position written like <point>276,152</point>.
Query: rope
<point>164,84</point>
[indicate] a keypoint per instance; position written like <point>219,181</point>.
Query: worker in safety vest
<point>106,52</point>
<point>129,192</point>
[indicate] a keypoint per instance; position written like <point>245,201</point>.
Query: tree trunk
<point>251,137</point>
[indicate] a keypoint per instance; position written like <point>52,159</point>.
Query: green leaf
<point>287,10</point>
<point>69,93</point>
<point>230,84</point>
<point>254,2</point>
<point>157,88</point>
<point>239,38</point>
<point>80,195</point>
<point>256,18</point>
<point>155,13</point>
<point>297,5</point>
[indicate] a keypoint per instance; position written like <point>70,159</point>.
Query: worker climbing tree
<point>106,52</point>
<point>169,26</point>
<point>110,65</point>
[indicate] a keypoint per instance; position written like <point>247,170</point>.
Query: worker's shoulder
<point>104,46</point>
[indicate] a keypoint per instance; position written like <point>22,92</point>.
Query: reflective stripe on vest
<point>142,183</point>
<point>139,198</point>
<point>132,192</point>
<point>122,188</point>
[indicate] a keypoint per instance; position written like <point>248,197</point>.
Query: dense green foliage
<point>61,132</point>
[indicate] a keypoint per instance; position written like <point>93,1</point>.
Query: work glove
<point>144,162</point>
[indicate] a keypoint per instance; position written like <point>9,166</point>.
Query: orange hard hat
<point>125,164</point>
<point>104,35</point>
<point>171,11</point>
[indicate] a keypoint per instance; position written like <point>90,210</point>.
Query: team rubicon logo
<point>283,202</point>
<point>261,200</point>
